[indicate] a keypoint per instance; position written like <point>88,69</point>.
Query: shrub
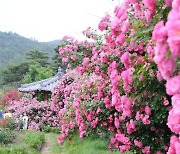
<point>6,136</point>
<point>50,129</point>
<point>39,113</point>
<point>11,124</point>
<point>10,96</point>
<point>128,96</point>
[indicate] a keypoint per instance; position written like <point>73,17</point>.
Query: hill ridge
<point>13,47</point>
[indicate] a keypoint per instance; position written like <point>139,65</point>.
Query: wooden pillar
<point>45,96</point>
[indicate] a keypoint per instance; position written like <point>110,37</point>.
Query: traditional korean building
<point>44,86</point>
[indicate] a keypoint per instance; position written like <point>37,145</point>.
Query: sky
<point>47,20</point>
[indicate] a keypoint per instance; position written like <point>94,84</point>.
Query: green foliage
<point>6,136</point>
<point>37,57</point>
<point>37,73</point>
<point>14,73</point>
<point>89,145</point>
<point>13,150</point>
<point>50,129</point>
<point>34,69</point>
<point>150,92</point>
<point>1,77</point>
<point>14,50</point>
<point>21,145</point>
<point>10,124</point>
<point>35,139</point>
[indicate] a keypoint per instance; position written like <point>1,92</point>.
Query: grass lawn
<point>87,146</point>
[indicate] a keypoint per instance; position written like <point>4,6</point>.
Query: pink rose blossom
<point>174,121</point>
<point>159,32</point>
<point>173,85</point>
<point>166,102</point>
<point>176,103</point>
<point>85,62</point>
<point>146,150</point>
<point>137,143</point>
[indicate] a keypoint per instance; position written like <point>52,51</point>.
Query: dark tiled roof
<point>43,85</point>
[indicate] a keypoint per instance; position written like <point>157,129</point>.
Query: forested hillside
<point>13,47</point>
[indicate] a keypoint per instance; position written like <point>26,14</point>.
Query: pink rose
<point>176,4</point>
<point>173,85</point>
<point>85,62</point>
<point>73,57</point>
<point>65,60</point>
<point>120,39</point>
<point>168,2</point>
<point>167,66</point>
<point>174,121</point>
<point>160,52</point>
<point>146,150</point>
<point>150,4</point>
<point>148,110</point>
<point>159,32</point>
<point>174,146</point>
<point>138,144</point>
<point>176,103</point>
<point>125,27</point>
<point>173,29</point>
<point>166,102</point>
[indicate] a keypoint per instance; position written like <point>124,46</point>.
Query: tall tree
<point>13,74</point>
<point>37,57</point>
<point>37,73</point>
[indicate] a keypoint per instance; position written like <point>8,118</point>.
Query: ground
<point>51,146</point>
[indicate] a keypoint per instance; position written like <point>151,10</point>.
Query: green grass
<point>34,139</point>
<point>54,146</point>
<point>26,142</point>
<point>87,146</point>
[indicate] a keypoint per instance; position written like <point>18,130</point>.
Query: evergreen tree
<point>37,57</point>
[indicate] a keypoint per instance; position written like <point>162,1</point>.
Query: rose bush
<point>10,96</point>
<point>124,71</point>
<point>124,84</point>
<point>166,33</point>
<point>39,113</point>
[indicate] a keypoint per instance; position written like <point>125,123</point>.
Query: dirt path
<point>47,146</point>
<point>51,146</point>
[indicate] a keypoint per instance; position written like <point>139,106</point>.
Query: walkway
<point>51,146</point>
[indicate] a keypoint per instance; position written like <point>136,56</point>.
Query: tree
<point>14,73</point>
<point>37,73</point>
<point>37,57</point>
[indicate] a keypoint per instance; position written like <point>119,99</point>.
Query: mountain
<point>13,47</point>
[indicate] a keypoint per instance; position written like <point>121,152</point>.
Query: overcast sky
<point>47,20</point>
